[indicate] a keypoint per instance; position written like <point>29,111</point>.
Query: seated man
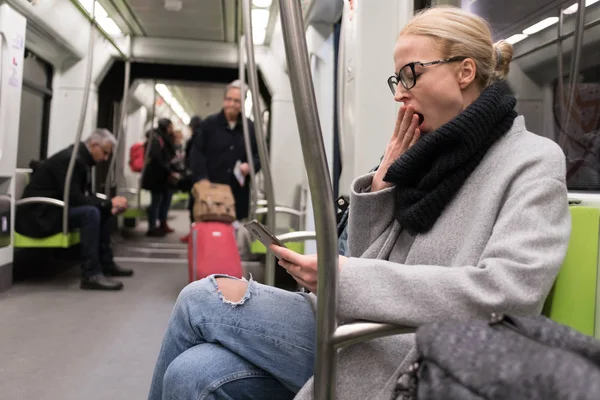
<point>88,213</point>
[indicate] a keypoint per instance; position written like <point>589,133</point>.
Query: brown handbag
<point>213,202</point>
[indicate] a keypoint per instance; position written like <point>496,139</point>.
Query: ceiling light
<point>540,25</point>
<point>515,38</point>
<point>262,3</point>
<point>259,35</point>
<point>109,26</point>
<point>260,18</point>
<point>100,11</point>
<point>87,6</point>
<point>173,5</point>
<point>573,9</point>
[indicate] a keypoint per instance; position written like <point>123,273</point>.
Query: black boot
<point>155,233</point>
<point>99,282</point>
<point>112,269</point>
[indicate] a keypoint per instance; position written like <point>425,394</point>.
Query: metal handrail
<point>297,236</point>
<point>575,59</point>
<point>148,145</point>
<point>86,95</point>
<point>127,190</point>
<point>280,210</point>
<point>357,332</point>
<point>260,137</point>
<point>246,129</point>
<point>341,85</point>
<point>315,159</point>
<point>40,200</point>
<point>121,128</point>
<point>561,72</point>
<point>329,336</point>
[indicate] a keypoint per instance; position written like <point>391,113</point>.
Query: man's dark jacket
<point>214,151</point>
<point>48,180</point>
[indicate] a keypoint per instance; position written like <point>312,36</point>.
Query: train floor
<point>60,342</point>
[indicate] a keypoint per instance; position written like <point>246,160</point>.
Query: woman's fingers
<point>416,137</point>
<point>410,132</point>
<point>406,122</point>
<point>399,119</point>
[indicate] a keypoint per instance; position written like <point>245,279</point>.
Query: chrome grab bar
<point>329,336</point>
<point>280,210</point>
<point>260,136</point>
<point>86,95</point>
<point>297,236</point>
<point>40,200</point>
<point>246,129</point>
<point>121,128</point>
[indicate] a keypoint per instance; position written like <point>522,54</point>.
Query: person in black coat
<point>87,212</point>
<point>194,126</point>
<point>159,177</point>
<point>219,145</point>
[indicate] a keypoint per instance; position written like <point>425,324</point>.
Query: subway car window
<point>578,131</point>
<point>35,110</point>
<point>568,113</point>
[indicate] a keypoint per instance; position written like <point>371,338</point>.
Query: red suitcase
<point>212,249</point>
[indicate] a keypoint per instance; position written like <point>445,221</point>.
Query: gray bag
<point>504,358</point>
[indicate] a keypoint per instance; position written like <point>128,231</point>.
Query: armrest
<point>281,210</point>
<point>127,191</point>
<point>297,236</point>
<point>40,200</point>
<point>357,332</point>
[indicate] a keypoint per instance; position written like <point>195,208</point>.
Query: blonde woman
<point>467,215</point>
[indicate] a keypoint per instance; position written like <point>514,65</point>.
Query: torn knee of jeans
<point>240,302</point>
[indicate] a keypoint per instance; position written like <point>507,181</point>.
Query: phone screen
<point>263,235</point>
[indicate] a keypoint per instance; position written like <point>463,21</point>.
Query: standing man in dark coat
<point>87,212</point>
<point>219,145</point>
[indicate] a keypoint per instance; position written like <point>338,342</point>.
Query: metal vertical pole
<point>148,144</point>
<point>260,137</point>
<point>84,103</point>
<point>321,190</point>
<point>120,128</point>
<point>575,59</point>
<point>561,72</point>
<point>247,139</point>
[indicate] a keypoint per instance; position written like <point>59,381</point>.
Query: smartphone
<point>263,235</point>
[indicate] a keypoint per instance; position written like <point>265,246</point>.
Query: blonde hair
<point>461,33</point>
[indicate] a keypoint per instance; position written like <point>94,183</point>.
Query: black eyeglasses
<point>408,77</point>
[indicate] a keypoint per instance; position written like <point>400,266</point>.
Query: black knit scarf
<point>430,173</point>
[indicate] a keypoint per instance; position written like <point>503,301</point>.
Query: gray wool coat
<point>497,247</point>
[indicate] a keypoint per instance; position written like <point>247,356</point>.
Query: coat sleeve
<point>255,156</point>
<point>197,157</point>
<point>77,196</point>
<point>514,273</point>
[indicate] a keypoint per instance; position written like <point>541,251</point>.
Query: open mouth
<point>421,119</point>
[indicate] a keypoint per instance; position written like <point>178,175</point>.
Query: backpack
<point>137,154</point>
<point>505,357</point>
<point>213,202</point>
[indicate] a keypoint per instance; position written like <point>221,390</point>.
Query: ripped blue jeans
<point>261,347</point>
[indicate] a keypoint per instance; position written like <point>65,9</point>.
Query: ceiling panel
<point>511,16</point>
<point>200,99</point>
<point>198,19</point>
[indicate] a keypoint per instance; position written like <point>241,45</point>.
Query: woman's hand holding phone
<point>303,268</point>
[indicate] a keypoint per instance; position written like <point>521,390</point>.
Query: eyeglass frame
<point>412,69</point>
